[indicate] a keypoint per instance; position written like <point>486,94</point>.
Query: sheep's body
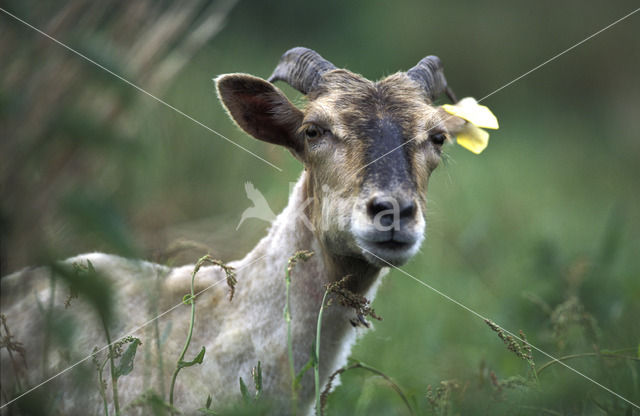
<point>236,334</point>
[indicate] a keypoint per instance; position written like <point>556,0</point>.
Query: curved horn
<point>429,73</point>
<point>301,68</point>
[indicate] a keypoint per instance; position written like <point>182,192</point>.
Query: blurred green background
<point>540,233</point>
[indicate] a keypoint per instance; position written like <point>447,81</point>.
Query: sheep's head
<point>368,147</point>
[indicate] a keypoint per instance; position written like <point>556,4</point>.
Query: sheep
<point>368,150</point>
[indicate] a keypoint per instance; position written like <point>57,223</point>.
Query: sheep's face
<point>369,149</point>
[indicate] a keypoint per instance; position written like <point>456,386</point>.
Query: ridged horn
<point>430,74</point>
<point>301,68</point>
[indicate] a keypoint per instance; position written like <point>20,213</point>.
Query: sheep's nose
<point>386,210</point>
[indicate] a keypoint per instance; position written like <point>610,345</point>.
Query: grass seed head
<point>352,300</point>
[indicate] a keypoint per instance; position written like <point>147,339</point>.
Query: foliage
<point>190,299</point>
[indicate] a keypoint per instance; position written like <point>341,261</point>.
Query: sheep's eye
<point>313,132</point>
<point>438,138</point>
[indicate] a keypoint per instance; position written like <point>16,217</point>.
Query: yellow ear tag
<point>471,137</point>
<point>469,109</point>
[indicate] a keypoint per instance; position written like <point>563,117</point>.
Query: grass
<point>321,402</point>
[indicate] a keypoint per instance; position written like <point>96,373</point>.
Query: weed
<point>352,300</point>
<point>124,367</point>
<point>250,404</point>
<point>7,342</point>
<point>78,269</point>
<point>81,277</point>
<point>440,398</point>
<point>348,299</point>
<point>190,299</point>
<point>256,374</point>
<point>302,255</point>
<point>571,313</point>
<point>509,383</point>
<point>359,364</point>
<point>522,349</point>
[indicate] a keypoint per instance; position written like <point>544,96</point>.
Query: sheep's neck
<point>290,233</point>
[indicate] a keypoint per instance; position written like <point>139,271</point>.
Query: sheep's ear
<point>261,109</point>
<point>453,124</point>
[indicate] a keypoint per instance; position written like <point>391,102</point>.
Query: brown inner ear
<point>261,110</point>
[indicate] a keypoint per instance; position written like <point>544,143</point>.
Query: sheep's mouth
<point>389,252</point>
<point>392,245</point>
